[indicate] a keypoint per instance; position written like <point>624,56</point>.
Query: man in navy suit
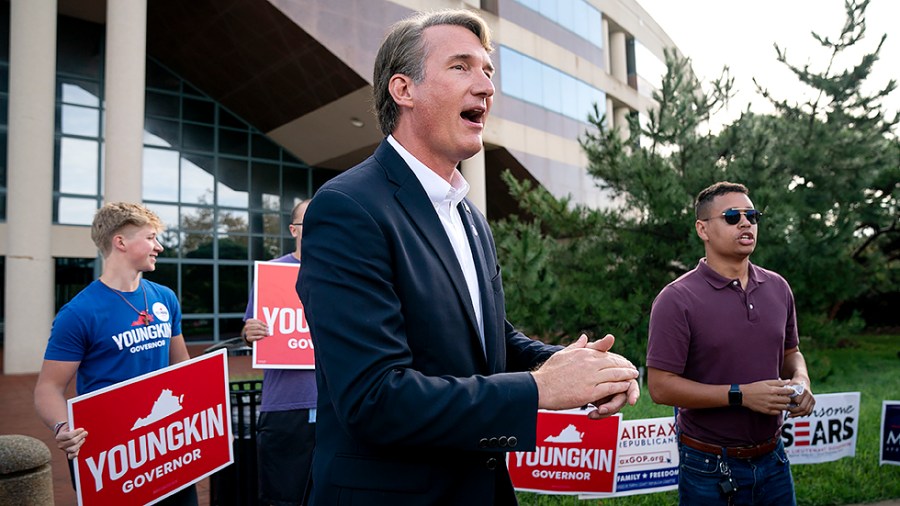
<point>423,384</point>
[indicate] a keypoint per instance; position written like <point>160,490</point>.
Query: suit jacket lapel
<point>418,207</point>
<point>488,309</point>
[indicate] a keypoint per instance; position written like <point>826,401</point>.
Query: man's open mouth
<point>474,115</point>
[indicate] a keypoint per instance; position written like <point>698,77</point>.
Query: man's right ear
<point>117,243</point>
<point>700,227</point>
<point>401,88</point>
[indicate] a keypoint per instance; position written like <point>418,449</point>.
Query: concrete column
<point>474,172</point>
<point>29,264</point>
<point>621,121</point>
<point>610,107</point>
<point>126,52</point>
<point>604,25</point>
<point>618,57</point>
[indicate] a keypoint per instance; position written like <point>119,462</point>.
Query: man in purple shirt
<point>286,432</point>
<point>723,349</point>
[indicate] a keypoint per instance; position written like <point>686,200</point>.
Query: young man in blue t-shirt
<point>91,337</point>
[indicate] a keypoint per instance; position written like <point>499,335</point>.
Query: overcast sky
<point>741,34</point>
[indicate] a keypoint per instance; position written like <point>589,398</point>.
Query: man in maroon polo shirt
<point>723,349</point>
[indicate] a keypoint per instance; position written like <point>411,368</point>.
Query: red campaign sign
<point>574,455</point>
<point>155,434</point>
<point>275,302</point>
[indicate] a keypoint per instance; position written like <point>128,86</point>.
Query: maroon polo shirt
<point>706,328</point>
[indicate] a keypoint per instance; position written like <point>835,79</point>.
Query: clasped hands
<point>587,373</point>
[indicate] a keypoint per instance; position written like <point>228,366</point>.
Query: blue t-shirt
<point>286,389</point>
<point>105,334</point>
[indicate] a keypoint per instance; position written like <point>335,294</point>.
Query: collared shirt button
<point>512,441</point>
<point>751,306</point>
<point>734,282</point>
<point>483,442</point>
<point>491,463</point>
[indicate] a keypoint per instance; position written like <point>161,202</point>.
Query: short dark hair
<point>706,196</point>
<point>403,51</point>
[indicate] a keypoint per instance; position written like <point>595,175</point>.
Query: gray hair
<point>403,51</point>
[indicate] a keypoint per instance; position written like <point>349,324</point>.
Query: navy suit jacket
<point>412,409</point>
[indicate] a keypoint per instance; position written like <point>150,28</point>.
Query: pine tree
<point>826,173</point>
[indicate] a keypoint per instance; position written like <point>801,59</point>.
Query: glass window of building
<point>527,79</point>
<point>4,103</point>
<point>648,68</point>
<point>2,299</point>
<point>73,275</point>
<point>79,115</point>
<point>577,16</point>
<point>222,188</point>
<point>225,193</point>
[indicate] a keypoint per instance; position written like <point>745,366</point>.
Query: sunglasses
<point>733,216</point>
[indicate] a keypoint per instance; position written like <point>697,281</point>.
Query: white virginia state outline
<point>164,405</point>
<point>568,435</point>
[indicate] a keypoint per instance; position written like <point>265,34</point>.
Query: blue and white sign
<point>646,458</point>
<point>890,433</point>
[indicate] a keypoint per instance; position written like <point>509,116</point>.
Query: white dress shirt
<point>445,197</point>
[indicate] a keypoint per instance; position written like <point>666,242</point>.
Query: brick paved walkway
<point>19,417</point>
<point>16,397</point>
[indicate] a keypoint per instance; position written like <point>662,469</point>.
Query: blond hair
<point>110,219</point>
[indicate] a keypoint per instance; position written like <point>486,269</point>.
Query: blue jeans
<point>764,480</point>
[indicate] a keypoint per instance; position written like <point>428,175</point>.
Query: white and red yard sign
<point>155,434</point>
<point>574,455</point>
<point>826,434</point>
<point>275,302</point>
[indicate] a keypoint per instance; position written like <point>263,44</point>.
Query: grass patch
<point>866,364</point>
